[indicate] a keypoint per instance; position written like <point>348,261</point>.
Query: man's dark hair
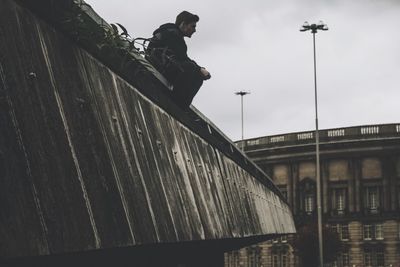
<point>186,17</point>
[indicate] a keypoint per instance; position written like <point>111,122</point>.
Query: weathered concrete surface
<point>88,162</point>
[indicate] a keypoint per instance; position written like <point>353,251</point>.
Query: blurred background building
<point>360,172</point>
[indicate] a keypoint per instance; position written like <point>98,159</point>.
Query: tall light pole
<point>314,28</point>
<point>242,93</point>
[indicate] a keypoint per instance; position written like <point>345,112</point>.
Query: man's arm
<point>178,45</point>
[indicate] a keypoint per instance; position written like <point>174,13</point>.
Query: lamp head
<point>314,27</point>
<point>322,26</point>
<point>242,93</point>
<point>305,27</point>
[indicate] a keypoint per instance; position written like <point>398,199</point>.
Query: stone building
<point>360,174</point>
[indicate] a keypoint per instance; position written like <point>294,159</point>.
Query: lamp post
<point>242,93</point>
<point>314,28</point>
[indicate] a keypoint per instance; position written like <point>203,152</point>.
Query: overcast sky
<point>256,46</point>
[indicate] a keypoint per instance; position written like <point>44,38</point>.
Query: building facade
<point>360,185</point>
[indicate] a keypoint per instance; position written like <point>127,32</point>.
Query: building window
<point>367,231</point>
<point>379,231</point>
<point>374,257</point>
<point>342,230</point>
<point>342,260</point>
<point>307,193</point>
<point>284,260</point>
<point>253,257</point>
<point>345,232</point>
<point>367,259</point>
<point>372,199</point>
<point>338,200</point>
<point>280,257</point>
<point>380,259</point>
<point>233,259</point>
<point>373,231</point>
<point>275,260</point>
<point>345,259</point>
<point>309,203</point>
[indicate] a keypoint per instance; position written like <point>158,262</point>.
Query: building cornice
<point>360,140</point>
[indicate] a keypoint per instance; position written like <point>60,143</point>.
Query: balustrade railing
<point>348,133</point>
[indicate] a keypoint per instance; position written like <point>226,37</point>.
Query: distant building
<point>360,172</point>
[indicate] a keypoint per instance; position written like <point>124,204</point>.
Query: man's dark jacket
<point>168,51</point>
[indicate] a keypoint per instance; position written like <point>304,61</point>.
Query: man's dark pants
<point>186,84</point>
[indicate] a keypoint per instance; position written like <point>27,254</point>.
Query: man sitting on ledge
<point>167,51</point>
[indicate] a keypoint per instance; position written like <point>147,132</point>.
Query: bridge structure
<point>99,167</point>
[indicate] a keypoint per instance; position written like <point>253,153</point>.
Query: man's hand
<point>205,73</point>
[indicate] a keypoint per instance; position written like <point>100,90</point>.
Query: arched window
<point>307,195</point>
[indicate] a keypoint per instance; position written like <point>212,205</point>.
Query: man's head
<point>186,22</point>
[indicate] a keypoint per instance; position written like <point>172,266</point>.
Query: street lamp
<point>314,28</point>
<point>242,93</point>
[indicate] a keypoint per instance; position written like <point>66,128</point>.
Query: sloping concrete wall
<point>89,162</point>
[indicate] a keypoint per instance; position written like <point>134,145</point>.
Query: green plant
<point>105,38</point>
